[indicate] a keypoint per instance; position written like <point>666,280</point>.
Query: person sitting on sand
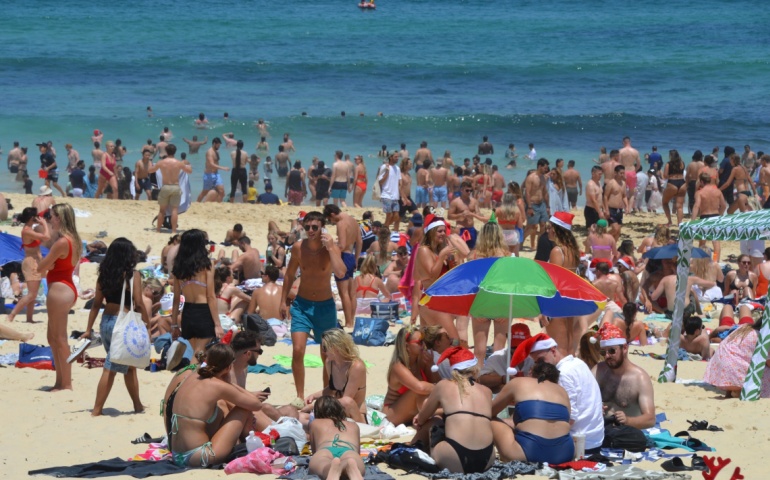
<point>466,445</point>
<point>346,374</point>
<point>660,238</point>
<point>199,432</point>
<point>728,366</point>
<point>267,299</point>
<point>540,431</point>
<point>395,269</point>
<point>695,339</point>
<point>335,442</point>
<point>233,236</point>
<point>634,330</point>
<point>368,286</point>
<point>741,282</point>
<point>494,373</point>
<point>231,300</point>
<point>667,286</point>
<point>382,250</point>
<point>626,388</point>
<point>248,264</point>
<point>407,391</point>
<point>7,333</point>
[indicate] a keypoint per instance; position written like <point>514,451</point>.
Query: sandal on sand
<point>675,465</point>
<point>699,464</point>
<point>143,439</point>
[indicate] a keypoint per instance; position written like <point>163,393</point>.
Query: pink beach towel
<point>258,461</point>
<point>407,280</point>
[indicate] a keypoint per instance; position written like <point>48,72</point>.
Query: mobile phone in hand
<point>267,390</point>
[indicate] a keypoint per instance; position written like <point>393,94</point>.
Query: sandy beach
<point>44,430</point>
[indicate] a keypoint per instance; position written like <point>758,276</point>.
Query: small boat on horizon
<point>367,5</point>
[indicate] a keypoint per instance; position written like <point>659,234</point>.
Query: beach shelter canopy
<point>736,227</point>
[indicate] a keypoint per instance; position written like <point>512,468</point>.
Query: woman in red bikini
<point>361,181</point>
<point>59,264</point>
<point>369,286</point>
<point>107,173</point>
<point>408,382</point>
<point>231,300</point>
<point>30,242</point>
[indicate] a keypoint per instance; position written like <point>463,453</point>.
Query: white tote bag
<point>130,340</point>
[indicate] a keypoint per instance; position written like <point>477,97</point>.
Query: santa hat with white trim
<point>609,336</point>
<point>562,219</point>
<point>627,262</point>
<point>460,358</point>
<point>538,343</point>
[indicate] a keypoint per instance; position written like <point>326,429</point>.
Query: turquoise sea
<point>568,75</point>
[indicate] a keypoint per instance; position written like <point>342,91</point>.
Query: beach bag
<point>254,322</point>
<point>370,332</point>
<point>388,310</point>
<point>130,340</point>
<point>408,458</point>
<point>290,428</point>
<point>39,357</point>
<point>625,437</point>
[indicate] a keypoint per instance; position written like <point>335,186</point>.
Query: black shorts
<point>144,184</point>
<point>729,196</point>
<point>321,194</point>
<point>402,210</point>
<point>282,171</point>
<point>647,195</point>
<point>197,321</point>
<point>616,216</point>
<point>592,216</point>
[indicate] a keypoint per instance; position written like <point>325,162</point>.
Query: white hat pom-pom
<point>592,340</point>
<point>512,371</point>
<point>434,368</point>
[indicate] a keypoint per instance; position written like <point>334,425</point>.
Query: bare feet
<point>27,336</point>
<point>138,408</point>
<point>335,471</point>
<point>10,317</point>
<point>96,413</point>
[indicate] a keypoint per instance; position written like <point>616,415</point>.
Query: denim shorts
<point>106,327</point>
<point>388,205</point>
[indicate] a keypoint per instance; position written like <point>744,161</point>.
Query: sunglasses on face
<point>746,263</point>
<point>611,351</point>
<point>258,351</point>
<point>311,227</point>
<point>415,341</point>
<point>467,190</point>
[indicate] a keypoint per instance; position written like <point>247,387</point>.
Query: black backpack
<point>254,322</point>
<point>406,458</point>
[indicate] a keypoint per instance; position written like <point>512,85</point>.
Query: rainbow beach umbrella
<point>512,287</point>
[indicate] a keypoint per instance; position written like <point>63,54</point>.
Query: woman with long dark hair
<point>59,264</point>
<point>30,242</point>
<point>335,442</point>
<point>238,173</point>
<point>194,278</point>
<point>117,275</point>
<point>675,186</point>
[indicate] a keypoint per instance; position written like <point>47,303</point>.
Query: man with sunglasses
<point>318,257</point>
<point>626,388</point>
<point>576,378</point>
<point>464,210</point>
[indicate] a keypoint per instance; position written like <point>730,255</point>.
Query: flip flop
<point>696,425</point>
<point>699,464</point>
<point>143,439</point>
<point>675,465</point>
<point>714,428</point>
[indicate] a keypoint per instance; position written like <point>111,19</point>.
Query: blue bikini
<point>536,448</point>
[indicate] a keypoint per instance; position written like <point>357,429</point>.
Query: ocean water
<point>567,75</point>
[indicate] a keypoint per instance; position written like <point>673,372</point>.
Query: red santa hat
<point>609,336</point>
<point>433,221</point>
<point>301,215</point>
<point>627,262</point>
<point>562,219</point>
<point>460,358</point>
<point>538,343</point>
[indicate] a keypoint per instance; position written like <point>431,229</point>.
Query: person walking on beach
<point>194,145</point>
<point>73,157</point>
<point>318,257</point>
<point>615,200</point>
<point>349,242</point>
<point>211,178</point>
<point>171,193</point>
<point>48,163</point>
<point>629,158</point>
<point>572,181</point>
<point>594,209</point>
<point>340,177</point>
<point>361,181</point>
<point>238,174</point>
<point>464,210</point>
<point>142,173</point>
<point>389,176</point>
<point>295,185</point>
<point>537,202</point>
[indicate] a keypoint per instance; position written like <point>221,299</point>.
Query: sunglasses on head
<point>311,227</point>
<point>611,351</point>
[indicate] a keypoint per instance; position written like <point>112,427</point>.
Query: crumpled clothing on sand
<point>498,471</point>
<point>626,472</point>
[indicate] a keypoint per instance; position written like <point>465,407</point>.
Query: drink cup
<point>580,445</point>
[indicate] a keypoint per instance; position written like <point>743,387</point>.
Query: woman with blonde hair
<point>108,172</point>
<point>600,243</point>
<point>467,444</point>
<point>361,181</point>
<point>557,192</point>
<point>659,238</point>
<point>60,263</point>
<point>408,384</point>
<point>346,372</point>
<point>369,286</point>
<point>30,243</point>
<point>511,219</point>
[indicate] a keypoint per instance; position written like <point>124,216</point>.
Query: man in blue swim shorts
<point>464,210</point>
<point>211,178</point>
<point>439,177</point>
<point>350,242</point>
<point>314,309</point>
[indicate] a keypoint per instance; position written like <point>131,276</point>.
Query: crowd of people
<point>574,378</point>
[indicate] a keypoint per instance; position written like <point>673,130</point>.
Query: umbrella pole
<point>510,321</point>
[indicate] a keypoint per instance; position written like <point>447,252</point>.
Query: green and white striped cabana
<point>736,227</point>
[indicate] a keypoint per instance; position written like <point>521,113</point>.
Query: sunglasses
<point>258,351</point>
<point>746,263</point>
<point>467,190</point>
<point>415,341</point>
<point>611,351</point>
<point>311,227</point>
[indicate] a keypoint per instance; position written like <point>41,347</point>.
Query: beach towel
<point>617,472</point>
<point>301,472</point>
<point>406,283</point>
<point>311,361</point>
<point>498,471</point>
<point>113,468</point>
<point>270,370</point>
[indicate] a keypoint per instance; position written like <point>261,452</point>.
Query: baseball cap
<point>519,333</point>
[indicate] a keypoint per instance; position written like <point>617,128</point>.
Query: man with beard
<point>626,389</point>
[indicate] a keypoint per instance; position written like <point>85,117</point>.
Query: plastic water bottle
<point>253,442</point>
<point>153,365</point>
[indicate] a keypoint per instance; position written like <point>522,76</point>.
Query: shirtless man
<point>608,167</point>
<point>340,179</point>
<point>695,339</point>
<point>691,177</point>
<point>612,287</point>
<point>142,173</point>
<point>262,128</point>
<point>350,244</point>
<point>211,178</point>
<point>464,210</point>
<point>263,148</point>
<point>282,161</point>
<point>230,141</point>
<point>422,192</point>
<point>573,183</point>
<point>318,256</point>
<point>594,209</point>
<point>160,147</point>
<point>170,194</point>
<point>423,153</point>
<point>150,147</point>
<point>233,236</point>
<point>194,145</point>
<point>266,301</point>
<point>629,158</point>
<point>14,157</point>
<point>167,134</point>
<point>537,202</point>
<point>748,159</point>
<point>288,144</point>
<point>97,154</point>
<point>615,200</point>
<point>97,136</point>
<point>603,157</point>
<point>248,263</point>
<point>403,153</point>
<point>486,148</point>
<point>73,157</point>
<point>709,202</point>
<point>438,177</point>
<point>626,389</point>
<point>764,180</point>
